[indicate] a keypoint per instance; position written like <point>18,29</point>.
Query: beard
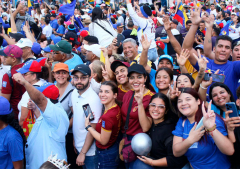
<point>82,87</point>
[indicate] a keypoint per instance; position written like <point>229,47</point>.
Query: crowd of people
<point>79,79</point>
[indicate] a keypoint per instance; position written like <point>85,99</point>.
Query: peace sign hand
<point>182,59</point>
<point>105,73</point>
<point>174,91</point>
<point>202,61</point>
<point>209,116</point>
<point>139,96</point>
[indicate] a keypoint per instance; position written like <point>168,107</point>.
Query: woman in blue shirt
<point>12,138</point>
<point>201,149</point>
<point>61,29</point>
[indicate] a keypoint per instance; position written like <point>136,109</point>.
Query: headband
<point>143,12</point>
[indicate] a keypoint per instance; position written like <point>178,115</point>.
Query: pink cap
<point>13,51</point>
<point>68,23</point>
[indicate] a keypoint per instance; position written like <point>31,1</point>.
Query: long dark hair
<point>222,85</point>
<point>97,13</point>
<point>169,72</point>
<point>169,115</point>
<point>192,81</point>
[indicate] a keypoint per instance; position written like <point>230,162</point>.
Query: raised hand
<point>182,59</point>
<point>209,116</point>
<point>174,91</point>
<point>139,96</point>
<point>105,74</point>
<point>209,21</point>
<point>105,51</point>
<point>195,135</point>
<point>145,43</point>
<point>202,61</point>
<point>167,24</point>
<point>195,15</point>
<point>18,77</point>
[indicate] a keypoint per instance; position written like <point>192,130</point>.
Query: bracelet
<point>203,87</point>
<point>83,152</point>
<point>151,163</point>
<point>88,127</point>
<point>211,129</point>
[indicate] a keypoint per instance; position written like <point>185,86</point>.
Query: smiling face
<point>187,105</point>
<point>220,96</point>
<point>165,63</point>
<point>106,94</point>
<point>163,80</point>
<point>222,51</point>
<point>61,76</point>
<point>136,80</point>
<point>129,50</point>
<point>157,109</point>
<point>121,74</point>
<point>183,81</point>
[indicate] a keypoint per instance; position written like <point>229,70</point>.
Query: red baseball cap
<point>160,44</point>
<point>84,33</point>
<point>42,61</point>
<point>49,90</point>
<point>221,25</point>
<point>13,51</point>
<point>154,12</point>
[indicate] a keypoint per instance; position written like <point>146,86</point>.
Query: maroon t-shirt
<point>16,92</point>
<point>134,126</point>
<point>121,93</point>
<point>110,121</point>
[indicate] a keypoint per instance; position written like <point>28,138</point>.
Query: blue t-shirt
<point>11,147</point>
<point>76,60</point>
<point>203,154</point>
<point>231,70</point>
<point>152,79</point>
<point>61,29</point>
<point>54,24</point>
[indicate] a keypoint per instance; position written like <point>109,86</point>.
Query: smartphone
<point>215,77</point>
<point>232,106</point>
<point>200,124</point>
<point>87,110</point>
<point>1,27</point>
<point>120,38</point>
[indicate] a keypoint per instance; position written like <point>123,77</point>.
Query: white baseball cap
<point>160,20</point>
<point>24,42</point>
<point>120,12</point>
<point>95,49</point>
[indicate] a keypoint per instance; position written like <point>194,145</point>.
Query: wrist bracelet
<point>203,87</point>
<point>88,127</point>
<point>211,129</point>
<point>83,152</point>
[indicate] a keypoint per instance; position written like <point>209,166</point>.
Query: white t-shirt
<point>234,32</point>
<point>25,97</point>
<point>104,38</point>
<point>214,12</point>
<point>147,27</point>
<point>47,30</point>
<point>79,132</point>
<point>145,1</point>
<point>42,11</point>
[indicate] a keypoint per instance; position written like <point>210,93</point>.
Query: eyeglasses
<point>83,78</point>
<point>25,74</point>
<point>159,106</point>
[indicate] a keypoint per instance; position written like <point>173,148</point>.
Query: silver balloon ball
<point>141,144</point>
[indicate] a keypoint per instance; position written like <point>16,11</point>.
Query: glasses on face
<point>153,106</point>
<point>83,78</point>
<point>26,74</point>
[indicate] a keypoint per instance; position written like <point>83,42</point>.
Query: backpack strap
<point>70,91</point>
<point>104,28</point>
<point>128,114</point>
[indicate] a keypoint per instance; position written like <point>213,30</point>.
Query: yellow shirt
<point>191,69</point>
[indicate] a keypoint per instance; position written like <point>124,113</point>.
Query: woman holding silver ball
<point>164,121</point>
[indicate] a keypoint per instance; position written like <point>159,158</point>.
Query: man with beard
<point>82,95</point>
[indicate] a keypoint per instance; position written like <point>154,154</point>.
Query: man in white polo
<point>82,95</point>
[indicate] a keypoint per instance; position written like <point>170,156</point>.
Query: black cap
<point>84,69</point>
<point>53,15</point>
<point>16,36</point>
<point>71,37</point>
<point>91,39</point>
<point>175,21</point>
<point>117,63</point>
<point>137,69</point>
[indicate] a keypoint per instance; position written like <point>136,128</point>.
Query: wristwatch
<point>88,127</point>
